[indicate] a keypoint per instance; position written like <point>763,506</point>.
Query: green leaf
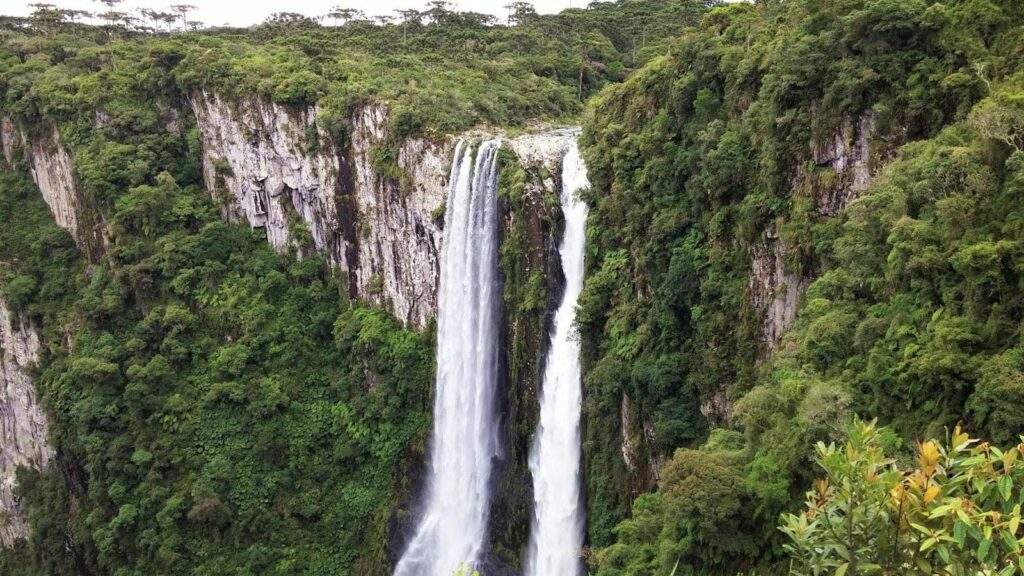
<point>960,532</point>
<point>920,528</point>
<point>963,516</point>
<point>1009,540</point>
<point>928,543</point>
<point>1006,488</point>
<point>841,571</point>
<point>983,548</point>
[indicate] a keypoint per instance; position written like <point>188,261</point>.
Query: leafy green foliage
<point>957,512</point>
<point>915,317</point>
<point>230,411</point>
<point>450,73</point>
<point>216,408</point>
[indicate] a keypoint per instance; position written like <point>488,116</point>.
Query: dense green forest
<point>219,408</point>
<point>915,316</point>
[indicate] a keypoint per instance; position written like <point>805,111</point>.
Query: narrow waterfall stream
<point>452,529</point>
<point>556,537</point>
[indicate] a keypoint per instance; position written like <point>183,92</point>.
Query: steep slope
<point>23,424</point>
<point>280,171</point>
<point>226,387</point>
<point>725,175</point>
<point>53,172</point>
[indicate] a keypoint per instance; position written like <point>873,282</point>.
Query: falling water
<point>557,533</point>
<point>453,526</point>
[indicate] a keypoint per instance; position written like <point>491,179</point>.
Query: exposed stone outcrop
<point>844,164</point>
<point>371,204</point>
<point>53,172</point>
<point>546,148</point>
<point>23,424</point>
<point>774,290</point>
<point>267,164</point>
<point>643,463</point>
<point>848,152</point>
<point>398,218</point>
<point>275,168</point>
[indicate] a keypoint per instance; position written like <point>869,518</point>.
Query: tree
<point>1001,117</point>
<point>289,19</point>
<point>439,12</point>
<point>45,18</point>
<point>409,18</point>
<point>520,13</point>
<point>159,19</point>
<point>345,15</point>
<point>49,19</point>
<point>115,18</point>
<point>182,10</point>
<point>119,20</point>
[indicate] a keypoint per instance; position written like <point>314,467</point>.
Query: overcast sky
<point>247,12</point>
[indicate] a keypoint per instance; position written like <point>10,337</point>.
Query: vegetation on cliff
<point>915,317</point>
<point>440,70</point>
<point>218,408</point>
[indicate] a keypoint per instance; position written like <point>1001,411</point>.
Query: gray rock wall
<point>275,168</point>
<point>849,158</point>
<point>23,424</point>
<point>52,169</point>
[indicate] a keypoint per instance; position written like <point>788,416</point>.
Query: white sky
<point>248,12</point>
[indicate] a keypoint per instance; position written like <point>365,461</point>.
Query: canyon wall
<point>53,171</point>
<point>843,165</point>
<point>372,203</point>
<point>23,424</point>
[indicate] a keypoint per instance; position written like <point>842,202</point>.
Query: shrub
<point>958,511</point>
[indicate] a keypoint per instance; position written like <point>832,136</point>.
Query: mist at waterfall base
<point>556,535</point>
<point>453,526</point>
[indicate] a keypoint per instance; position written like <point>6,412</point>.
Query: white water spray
<point>453,527</point>
<point>556,537</point>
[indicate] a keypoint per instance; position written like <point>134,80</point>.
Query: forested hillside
<point>871,152</point>
<point>800,323</point>
<point>217,407</point>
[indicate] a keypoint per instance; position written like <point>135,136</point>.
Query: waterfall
<point>556,537</point>
<point>453,525</point>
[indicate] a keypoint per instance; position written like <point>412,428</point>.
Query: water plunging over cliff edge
<point>556,535</point>
<point>452,529</point>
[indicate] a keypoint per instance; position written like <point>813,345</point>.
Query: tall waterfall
<point>556,537</point>
<point>453,527</point>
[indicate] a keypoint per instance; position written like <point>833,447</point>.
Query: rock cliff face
<point>372,204</point>
<point>23,424</point>
<point>852,155</point>
<point>774,290</point>
<point>844,164</point>
<point>275,168</point>
<point>53,172</point>
<point>399,219</point>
